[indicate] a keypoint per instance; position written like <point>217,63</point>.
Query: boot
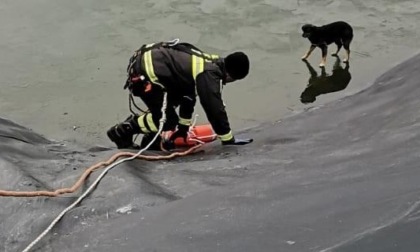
<point>122,134</point>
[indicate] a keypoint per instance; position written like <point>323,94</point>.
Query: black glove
<point>182,132</point>
<point>234,141</point>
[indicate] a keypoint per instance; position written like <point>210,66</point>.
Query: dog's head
<point>308,29</point>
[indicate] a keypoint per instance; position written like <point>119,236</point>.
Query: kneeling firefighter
<point>183,71</point>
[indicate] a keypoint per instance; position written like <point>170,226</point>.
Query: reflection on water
<point>324,83</point>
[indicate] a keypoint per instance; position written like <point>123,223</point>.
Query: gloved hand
<point>234,141</point>
<point>182,132</point>
<point>169,144</point>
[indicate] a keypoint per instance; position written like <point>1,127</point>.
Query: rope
<point>79,182</point>
<point>98,179</point>
<point>131,102</point>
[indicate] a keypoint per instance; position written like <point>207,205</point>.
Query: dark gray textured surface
<point>342,177</point>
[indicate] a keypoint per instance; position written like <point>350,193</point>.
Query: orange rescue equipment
<point>197,134</point>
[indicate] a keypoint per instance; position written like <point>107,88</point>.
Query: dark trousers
<point>152,95</point>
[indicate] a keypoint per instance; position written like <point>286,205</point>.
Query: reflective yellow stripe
<point>148,65</point>
<point>149,45</point>
<point>226,137</point>
<point>213,56</point>
<point>150,122</point>
<point>197,66</point>
<point>143,127</point>
<point>209,57</point>
<point>198,52</point>
<point>194,66</point>
<point>184,121</point>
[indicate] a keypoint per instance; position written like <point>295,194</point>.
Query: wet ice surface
<point>64,63</point>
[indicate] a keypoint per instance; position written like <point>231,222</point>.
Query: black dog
<point>340,33</point>
<point>324,84</point>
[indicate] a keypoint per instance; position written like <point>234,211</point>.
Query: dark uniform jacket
<point>185,72</point>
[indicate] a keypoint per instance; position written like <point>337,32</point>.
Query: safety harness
<point>149,78</point>
<point>144,53</point>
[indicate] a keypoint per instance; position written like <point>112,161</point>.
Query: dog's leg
<point>339,45</point>
<point>311,49</point>
<point>346,45</point>
<point>324,49</point>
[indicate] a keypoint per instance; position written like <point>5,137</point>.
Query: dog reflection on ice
<point>324,83</point>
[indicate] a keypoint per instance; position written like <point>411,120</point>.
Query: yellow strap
<point>143,127</point>
<point>198,52</point>
<point>148,65</point>
<point>226,137</point>
<point>150,45</point>
<point>150,122</point>
<point>197,66</point>
<point>184,121</point>
<point>213,56</point>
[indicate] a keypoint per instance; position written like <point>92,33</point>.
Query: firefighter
<point>182,71</point>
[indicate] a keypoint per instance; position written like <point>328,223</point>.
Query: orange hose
<point>90,170</point>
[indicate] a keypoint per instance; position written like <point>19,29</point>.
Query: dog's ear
<point>307,28</point>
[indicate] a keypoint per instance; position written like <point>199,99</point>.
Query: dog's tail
<point>348,33</point>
